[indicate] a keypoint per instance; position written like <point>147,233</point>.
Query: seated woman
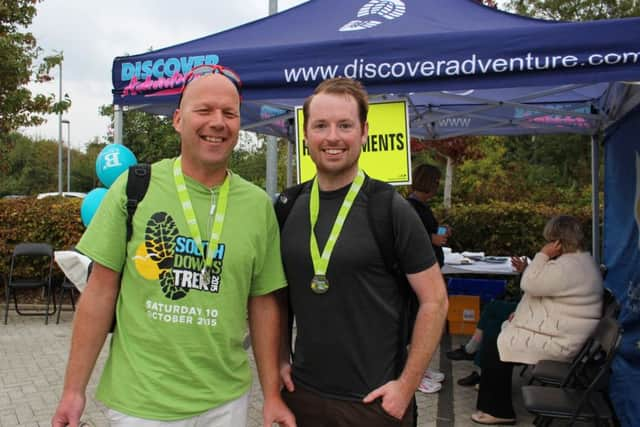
<point>560,307</point>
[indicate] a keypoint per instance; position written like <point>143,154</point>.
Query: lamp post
<point>68,123</point>
<point>60,134</point>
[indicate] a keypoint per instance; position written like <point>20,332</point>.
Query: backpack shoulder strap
<point>283,205</point>
<point>380,213</point>
<point>137,185</point>
<point>285,201</point>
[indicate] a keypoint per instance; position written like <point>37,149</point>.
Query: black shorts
<point>313,410</point>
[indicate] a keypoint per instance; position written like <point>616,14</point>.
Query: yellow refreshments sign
<point>386,155</point>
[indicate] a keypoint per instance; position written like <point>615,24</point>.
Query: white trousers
<point>232,414</point>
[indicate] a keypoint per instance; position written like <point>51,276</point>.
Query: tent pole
<point>272,165</point>
<point>272,141</point>
<point>290,163</point>
<point>117,124</point>
<point>448,183</point>
<point>595,199</point>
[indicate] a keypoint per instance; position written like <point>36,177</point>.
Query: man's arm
<point>93,319</point>
<point>432,296</point>
<point>266,314</point>
<point>285,341</point>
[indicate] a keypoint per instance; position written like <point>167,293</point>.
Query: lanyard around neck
<point>218,208</point>
<point>321,262</point>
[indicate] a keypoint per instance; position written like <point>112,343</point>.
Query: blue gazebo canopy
<point>505,73</point>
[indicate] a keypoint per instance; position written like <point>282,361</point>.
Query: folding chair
<point>610,304</point>
<point>26,257</point>
<point>570,402</point>
<point>553,372</point>
<point>66,287</point>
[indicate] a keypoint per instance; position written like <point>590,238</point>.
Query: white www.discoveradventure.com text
<point>359,69</point>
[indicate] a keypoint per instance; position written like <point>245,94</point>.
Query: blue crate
<point>487,289</point>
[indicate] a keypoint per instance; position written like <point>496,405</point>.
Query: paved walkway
<point>33,359</point>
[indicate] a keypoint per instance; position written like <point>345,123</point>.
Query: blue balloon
<point>112,161</point>
<point>90,204</point>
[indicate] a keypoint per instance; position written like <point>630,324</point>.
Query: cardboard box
<point>464,313</point>
<point>461,328</point>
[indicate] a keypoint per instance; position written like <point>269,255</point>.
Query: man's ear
<point>177,119</point>
<point>365,133</point>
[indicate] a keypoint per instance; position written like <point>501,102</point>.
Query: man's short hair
<point>425,178</point>
<point>567,230</point>
<point>341,86</point>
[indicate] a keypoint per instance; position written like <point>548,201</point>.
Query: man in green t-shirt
<point>204,255</point>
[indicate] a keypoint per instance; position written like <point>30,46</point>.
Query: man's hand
<point>275,411</point>
<point>395,398</point>
<point>285,376</point>
<point>69,411</point>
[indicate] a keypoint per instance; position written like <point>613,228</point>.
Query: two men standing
<point>204,255</point>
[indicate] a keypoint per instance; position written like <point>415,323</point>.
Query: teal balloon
<point>112,161</point>
<point>90,204</point>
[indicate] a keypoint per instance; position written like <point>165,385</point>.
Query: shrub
<point>506,228</point>
<point>52,220</point>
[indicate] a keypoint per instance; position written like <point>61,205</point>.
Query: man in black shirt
<point>424,185</point>
<point>347,368</point>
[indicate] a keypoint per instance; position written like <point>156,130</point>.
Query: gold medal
<point>319,284</point>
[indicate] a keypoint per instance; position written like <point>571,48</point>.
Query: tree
<point>149,136</point>
<point>18,52</point>
<point>455,151</point>
<point>28,168</point>
<point>576,10</point>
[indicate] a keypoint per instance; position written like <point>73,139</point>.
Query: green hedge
<point>497,228</point>
<point>52,220</point>
<point>505,228</point>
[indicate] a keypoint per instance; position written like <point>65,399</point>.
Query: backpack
<point>380,215</point>
<point>137,185</point>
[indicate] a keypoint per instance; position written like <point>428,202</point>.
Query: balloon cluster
<point>112,161</point>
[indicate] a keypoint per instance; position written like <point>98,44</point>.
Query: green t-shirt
<point>177,348</point>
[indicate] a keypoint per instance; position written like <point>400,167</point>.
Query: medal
<point>319,284</point>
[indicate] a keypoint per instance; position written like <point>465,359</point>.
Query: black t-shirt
<point>430,223</point>
<point>347,339</point>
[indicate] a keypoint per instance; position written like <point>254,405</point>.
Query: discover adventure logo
<point>162,76</point>
<point>175,260</point>
<point>370,14</point>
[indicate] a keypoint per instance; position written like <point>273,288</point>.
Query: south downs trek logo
<point>175,260</point>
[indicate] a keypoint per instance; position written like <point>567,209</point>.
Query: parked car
<point>14,196</point>
<point>64,194</point>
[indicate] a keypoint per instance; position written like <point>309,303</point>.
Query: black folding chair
<point>66,287</point>
<point>553,372</point>
<point>582,396</point>
<point>36,258</point>
<point>610,304</point>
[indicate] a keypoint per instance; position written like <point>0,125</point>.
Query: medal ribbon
<point>220,208</point>
<point>321,262</point>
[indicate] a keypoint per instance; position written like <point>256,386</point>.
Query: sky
<point>92,33</point>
